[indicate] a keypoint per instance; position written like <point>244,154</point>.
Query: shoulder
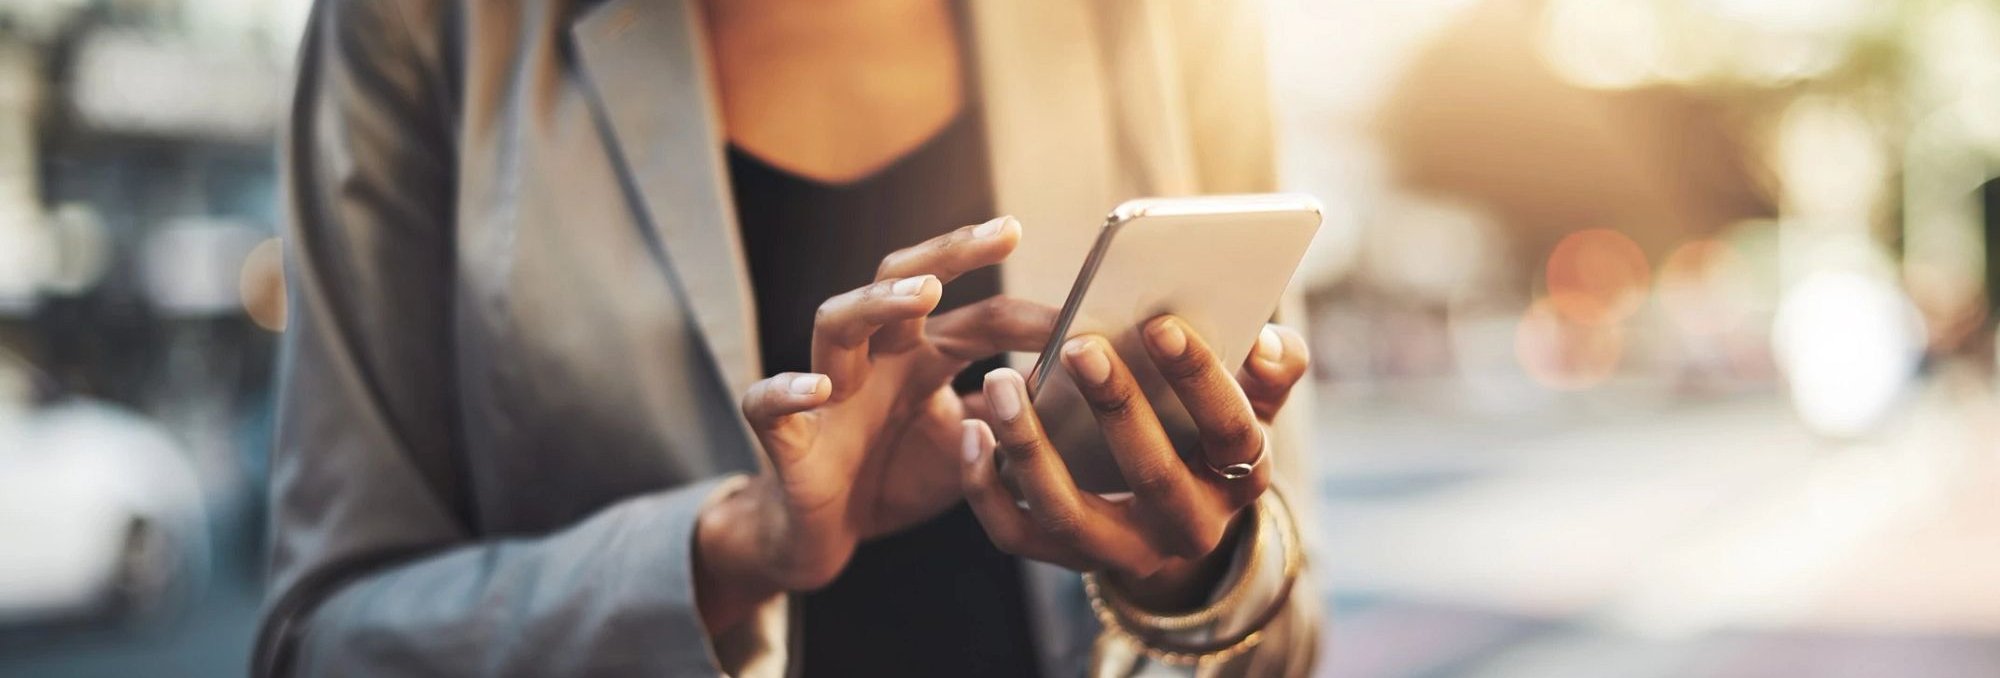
<point>447,38</point>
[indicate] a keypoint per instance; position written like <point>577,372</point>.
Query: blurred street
<point>211,637</point>
<point>1719,539</point>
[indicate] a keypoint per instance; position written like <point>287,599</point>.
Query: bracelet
<point>1151,641</point>
<point>1207,614</point>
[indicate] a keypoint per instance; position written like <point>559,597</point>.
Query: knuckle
<point>993,311</point>
<point>1061,525</point>
<point>950,240</point>
<point>828,312</point>
<point>1159,475</point>
<point>1153,480</point>
<point>1022,450</point>
<point>1234,437</point>
<point>1114,403</point>
<point>1186,366</point>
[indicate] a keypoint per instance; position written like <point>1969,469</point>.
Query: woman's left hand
<point>1166,546</point>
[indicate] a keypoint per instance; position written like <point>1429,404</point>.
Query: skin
<point>862,446</point>
<point>873,440</point>
<point>1167,544</point>
<point>834,89</point>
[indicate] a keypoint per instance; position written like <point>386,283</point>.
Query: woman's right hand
<point>866,444</point>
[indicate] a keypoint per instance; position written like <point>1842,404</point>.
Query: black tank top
<point>938,599</point>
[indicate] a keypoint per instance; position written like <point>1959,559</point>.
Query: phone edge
<point>1040,372</point>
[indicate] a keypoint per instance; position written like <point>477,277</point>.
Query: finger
<point>953,254</point>
<point>1177,519</point>
<point>1229,430</point>
<point>1061,514</point>
<point>992,326</point>
<point>1007,525</point>
<point>1276,364</point>
<point>844,324</point>
<point>947,257</point>
<point>778,410</point>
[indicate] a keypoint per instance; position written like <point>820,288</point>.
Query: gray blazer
<point>520,319</point>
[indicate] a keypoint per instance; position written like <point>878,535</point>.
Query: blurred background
<point>1655,337</point>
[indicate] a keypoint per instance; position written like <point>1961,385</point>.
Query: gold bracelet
<point>1160,649</point>
<point>1115,627</point>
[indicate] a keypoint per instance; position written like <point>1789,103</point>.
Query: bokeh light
<point>1597,277</point>
<point>1705,288</point>
<point>1831,159</point>
<point>1561,354</point>
<point>1599,44</point>
<point>1849,345</point>
<point>262,285</point>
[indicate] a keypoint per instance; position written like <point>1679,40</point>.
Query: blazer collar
<point>646,64</point>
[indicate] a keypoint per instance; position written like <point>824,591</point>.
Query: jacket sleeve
<point>378,568</point>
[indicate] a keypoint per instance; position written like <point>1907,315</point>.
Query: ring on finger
<point>1241,470</point>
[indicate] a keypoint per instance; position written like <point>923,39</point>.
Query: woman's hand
<point>1165,546</point>
<point>863,445</point>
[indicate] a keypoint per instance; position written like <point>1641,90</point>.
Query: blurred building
<point>136,187</point>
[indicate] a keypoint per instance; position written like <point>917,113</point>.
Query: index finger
<point>946,257</point>
<point>951,255</point>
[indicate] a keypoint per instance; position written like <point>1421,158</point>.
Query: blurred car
<point>101,517</point>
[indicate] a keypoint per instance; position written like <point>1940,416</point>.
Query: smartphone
<point>1221,263</point>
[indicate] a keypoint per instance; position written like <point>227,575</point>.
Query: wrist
<point>731,575</point>
<point>1183,584</point>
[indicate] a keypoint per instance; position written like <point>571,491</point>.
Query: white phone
<point>1221,263</point>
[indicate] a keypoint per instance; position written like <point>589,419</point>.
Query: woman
<point>596,366</point>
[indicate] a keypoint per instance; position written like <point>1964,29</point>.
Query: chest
<point>835,91</point>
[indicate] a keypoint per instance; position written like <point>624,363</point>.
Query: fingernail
<point>1087,358</point>
<point>1168,338</point>
<point>978,440</point>
<point>1269,346</point>
<point>909,287</point>
<point>992,227</point>
<point>807,384</point>
<point>1003,390</point>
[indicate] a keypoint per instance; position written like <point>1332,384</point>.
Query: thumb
<point>779,410</point>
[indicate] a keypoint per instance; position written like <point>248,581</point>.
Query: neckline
<point>960,117</point>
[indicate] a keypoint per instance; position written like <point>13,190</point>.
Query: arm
<point>377,568</point>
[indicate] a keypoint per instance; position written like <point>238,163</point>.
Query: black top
<point>938,599</point>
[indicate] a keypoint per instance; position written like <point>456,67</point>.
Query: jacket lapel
<point>1048,136</point>
<point>646,62</point>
